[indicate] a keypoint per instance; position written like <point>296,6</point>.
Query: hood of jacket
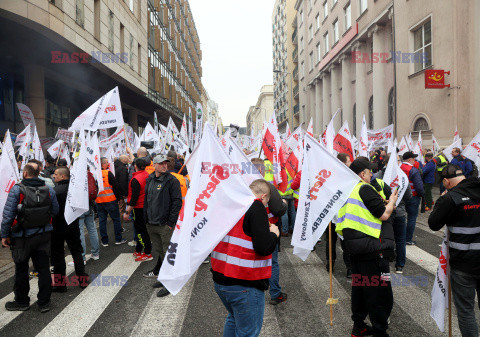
<point>33,182</point>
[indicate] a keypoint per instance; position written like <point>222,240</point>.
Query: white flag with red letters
<point>472,151</point>
<point>395,177</point>
<point>215,202</point>
<point>440,286</point>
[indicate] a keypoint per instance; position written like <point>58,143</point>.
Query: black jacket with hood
<point>163,200</point>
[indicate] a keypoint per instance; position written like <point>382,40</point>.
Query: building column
<point>361,100</point>
<point>380,105</point>
<point>335,96</point>
<point>347,106</point>
<point>318,119</point>
<point>133,120</point>
<point>311,110</point>
<point>327,112</point>
<point>34,78</point>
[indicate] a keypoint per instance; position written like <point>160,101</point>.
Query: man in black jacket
<point>459,209</point>
<point>64,232</point>
<point>121,175</point>
<point>163,201</point>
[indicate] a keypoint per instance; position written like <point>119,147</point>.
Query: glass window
<point>110,31</point>
<point>348,16</point>
<point>422,44</point>
<point>363,6</point>
<point>421,124</point>
<point>301,17</point>
<point>335,31</point>
<point>326,46</point>
<point>391,107</point>
<point>311,61</point>
<point>301,44</point>
<point>370,113</point>
<point>79,12</point>
<point>317,21</point>
<point>319,53</point>
<point>325,9</point>
<point>130,5</point>
<point>302,70</point>
<point>310,32</point>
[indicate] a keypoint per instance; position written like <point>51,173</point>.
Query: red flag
<point>343,142</point>
<point>273,151</point>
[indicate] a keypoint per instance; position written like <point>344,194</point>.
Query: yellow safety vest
<point>268,171</point>
<point>442,158</point>
<point>289,190</point>
<point>382,185</point>
<point>355,215</point>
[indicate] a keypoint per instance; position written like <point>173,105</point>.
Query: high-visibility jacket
<point>441,162</point>
<point>107,194</point>
<point>355,215</point>
<point>382,185</point>
<point>184,184</point>
<point>141,177</point>
<point>268,171</point>
<point>235,257</point>
<point>149,169</point>
<point>406,167</point>
<point>289,190</point>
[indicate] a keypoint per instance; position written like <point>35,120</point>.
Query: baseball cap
<point>160,158</point>
<point>408,155</point>
<point>451,171</point>
<point>360,164</point>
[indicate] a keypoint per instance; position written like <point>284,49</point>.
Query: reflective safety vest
<point>382,185</point>
<point>149,169</point>
<point>355,215</point>
<point>406,167</point>
<point>289,190</point>
<point>235,257</point>
<point>441,162</point>
<point>184,184</point>
<point>107,194</point>
<point>268,171</point>
<point>271,218</point>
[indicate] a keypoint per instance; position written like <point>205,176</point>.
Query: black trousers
<point>346,255</point>
<point>370,295</point>
<point>71,235</point>
<point>36,248</point>
<point>143,239</point>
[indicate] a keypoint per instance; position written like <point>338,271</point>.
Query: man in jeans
<point>163,201</point>
<point>416,185</point>
<point>458,209</point>
<point>429,179</point>
<point>107,204</point>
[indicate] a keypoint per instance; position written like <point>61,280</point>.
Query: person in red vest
<point>135,200</point>
<point>416,185</point>
<point>242,265</point>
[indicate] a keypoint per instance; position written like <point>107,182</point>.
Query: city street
<point>135,310</point>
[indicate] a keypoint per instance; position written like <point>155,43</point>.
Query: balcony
<point>296,109</point>
<point>295,91</point>
<point>294,36</point>
<point>295,55</point>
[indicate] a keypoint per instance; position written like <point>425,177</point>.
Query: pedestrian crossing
<point>196,310</point>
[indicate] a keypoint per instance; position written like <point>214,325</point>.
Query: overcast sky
<point>236,43</point>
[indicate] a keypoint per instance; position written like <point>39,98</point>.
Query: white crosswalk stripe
<point>163,316</point>
<point>8,316</point>
<point>75,320</point>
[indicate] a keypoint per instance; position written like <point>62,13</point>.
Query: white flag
<point>37,148</point>
<point>208,215</point>
<point>10,151</point>
<point>55,149</point>
<point>325,187</point>
<point>241,164</point>
<point>199,124</point>
<point>26,114</point>
<point>380,137</point>
<point>8,178</point>
<point>115,138</point>
<point>110,154</point>
<point>295,138</point>
<point>456,135</point>
<point>435,145</point>
<point>93,160</point>
<point>440,287</point>
<point>310,127</point>
<point>105,113</point>
<point>448,151</point>
<point>472,151</point>
<point>23,136</point>
<point>77,197</point>
<point>417,148</point>
<point>329,134</point>
<point>183,131</point>
<point>363,140</point>
<point>395,177</point>
<point>409,142</point>
<point>403,147</point>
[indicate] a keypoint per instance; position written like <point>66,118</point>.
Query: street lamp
<point>291,87</point>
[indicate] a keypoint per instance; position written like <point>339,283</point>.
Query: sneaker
<point>150,274</point>
<point>44,308</point>
<point>364,330</point>
<point>398,270</point>
<point>104,244</point>
<point>279,299</point>
<point>144,257</point>
<point>163,292</point>
<point>95,257</point>
<point>15,306</point>
<point>121,242</point>
<point>33,274</point>
<point>132,243</point>
<point>135,254</point>
<point>349,273</point>
<point>207,261</point>
<point>411,243</point>
<point>157,284</point>
<point>72,263</point>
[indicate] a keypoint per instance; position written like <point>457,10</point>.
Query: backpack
<point>92,187</point>
<point>34,208</point>
<point>474,168</point>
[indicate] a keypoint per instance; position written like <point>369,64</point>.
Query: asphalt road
<point>112,308</point>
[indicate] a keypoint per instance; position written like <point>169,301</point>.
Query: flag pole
<point>331,301</point>
<point>449,306</point>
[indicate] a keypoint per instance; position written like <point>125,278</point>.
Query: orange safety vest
<point>149,169</point>
<point>107,194</point>
<point>234,257</point>
<point>184,184</point>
